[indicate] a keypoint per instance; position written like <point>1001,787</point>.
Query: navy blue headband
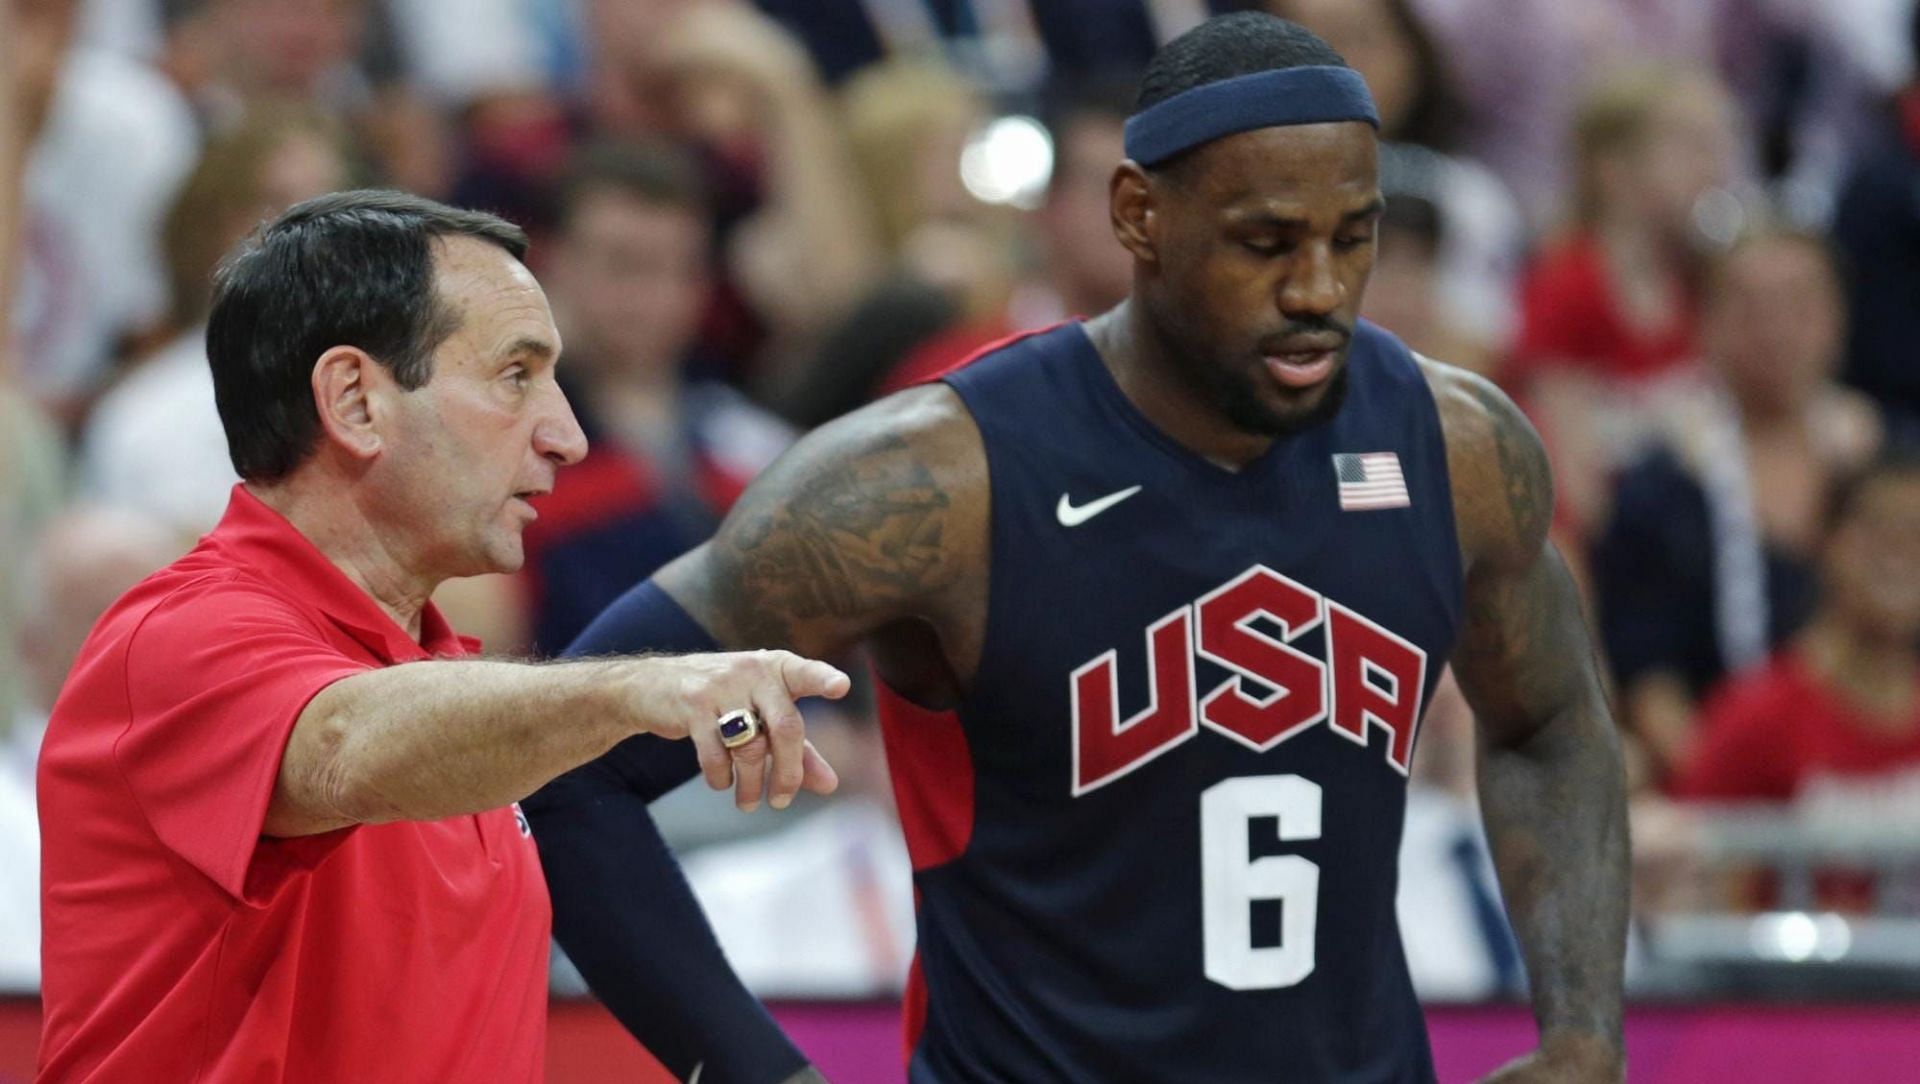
<point>1269,99</point>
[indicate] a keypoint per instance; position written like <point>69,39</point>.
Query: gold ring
<point>737,728</point>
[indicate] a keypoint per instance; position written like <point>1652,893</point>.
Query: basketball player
<point>1156,601</point>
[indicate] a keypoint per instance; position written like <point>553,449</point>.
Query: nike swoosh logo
<point>1071,516</point>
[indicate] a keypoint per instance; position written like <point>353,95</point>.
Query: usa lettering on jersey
<point>1371,678</point>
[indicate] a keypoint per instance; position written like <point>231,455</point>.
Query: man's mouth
<point>1303,363</point>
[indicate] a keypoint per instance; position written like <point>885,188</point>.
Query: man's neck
<point>342,532</point>
<point>1143,366</point>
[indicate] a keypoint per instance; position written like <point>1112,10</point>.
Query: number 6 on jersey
<point>1232,881</point>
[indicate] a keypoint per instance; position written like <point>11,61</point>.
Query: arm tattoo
<point>1551,782</point>
<point>855,540</point>
<point>1524,477</point>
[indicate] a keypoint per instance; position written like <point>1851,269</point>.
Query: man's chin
<point>1307,409</point>
<point>502,556</point>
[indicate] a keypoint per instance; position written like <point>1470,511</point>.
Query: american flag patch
<point>1370,480</point>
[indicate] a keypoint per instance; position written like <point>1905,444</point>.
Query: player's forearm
<point>624,912</point>
<point>438,739</point>
<point>1555,811</point>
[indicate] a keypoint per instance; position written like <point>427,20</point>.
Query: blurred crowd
<point>1684,234</point>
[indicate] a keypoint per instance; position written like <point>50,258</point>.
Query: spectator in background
<point>1616,296</point>
<point>1483,232</point>
<point>31,44</point>
<point>111,141</point>
<point>630,274</point>
<point>1798,68</point>
<point>1832,722</point>
<point>1878,227</point>
<point>1082,269</point>
<point>84,560</point>
<point>799,242</point>
<point>908,122</point>
<point>1404,295</point>
<point>154,441</point>
<point>1613,303</point>
<point>1009,44</point>
<point>336,55</point>
<point>952,260</point>
<point>1707,563</point>
<point>1086,270</point>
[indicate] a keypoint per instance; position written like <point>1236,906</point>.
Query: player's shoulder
<point>1472,408</point>
<point>1502,488</point>
<point>923,429</point>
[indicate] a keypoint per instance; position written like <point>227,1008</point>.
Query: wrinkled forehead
<point>491,295</point>
<point>467,270</point>
<point>1333,164</point>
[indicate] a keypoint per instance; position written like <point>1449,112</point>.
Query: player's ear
<point>1131,204</point>
<point>345,385</point>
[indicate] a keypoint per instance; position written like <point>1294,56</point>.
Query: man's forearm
<point>438,739</point>
<point>1555,811</point>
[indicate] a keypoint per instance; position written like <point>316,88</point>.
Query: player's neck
<point>1143,365</point>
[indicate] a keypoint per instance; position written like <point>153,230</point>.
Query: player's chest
<point>1096,669</point>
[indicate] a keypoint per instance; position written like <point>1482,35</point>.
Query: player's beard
<point>1233,393</point>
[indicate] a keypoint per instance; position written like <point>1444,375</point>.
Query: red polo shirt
<point>179,944</point>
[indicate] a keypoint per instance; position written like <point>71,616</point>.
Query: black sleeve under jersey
<point>622,909</point>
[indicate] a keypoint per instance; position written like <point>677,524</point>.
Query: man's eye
<point>1354,241</point>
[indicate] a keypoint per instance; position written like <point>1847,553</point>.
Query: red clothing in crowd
<point>1766,736</point>
<point>1569,318</point>
<point>181,944</point>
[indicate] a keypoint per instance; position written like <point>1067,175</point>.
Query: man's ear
<point>346,382</point>
<point>1131,200</point>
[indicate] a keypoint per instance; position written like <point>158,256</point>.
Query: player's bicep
<point>867,520</point>
<point>1524,654</point>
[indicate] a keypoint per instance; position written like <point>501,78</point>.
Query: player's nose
<point>1312,283</point>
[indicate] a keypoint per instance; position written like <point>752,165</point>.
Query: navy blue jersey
<point>1158,839</point>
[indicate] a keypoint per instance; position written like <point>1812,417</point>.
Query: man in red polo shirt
<point>279,844</point>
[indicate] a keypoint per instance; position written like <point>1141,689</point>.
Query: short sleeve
<point>216,678</point>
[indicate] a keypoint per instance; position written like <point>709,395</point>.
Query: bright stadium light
<point>1792,936</point>
<point>1008,162</point>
